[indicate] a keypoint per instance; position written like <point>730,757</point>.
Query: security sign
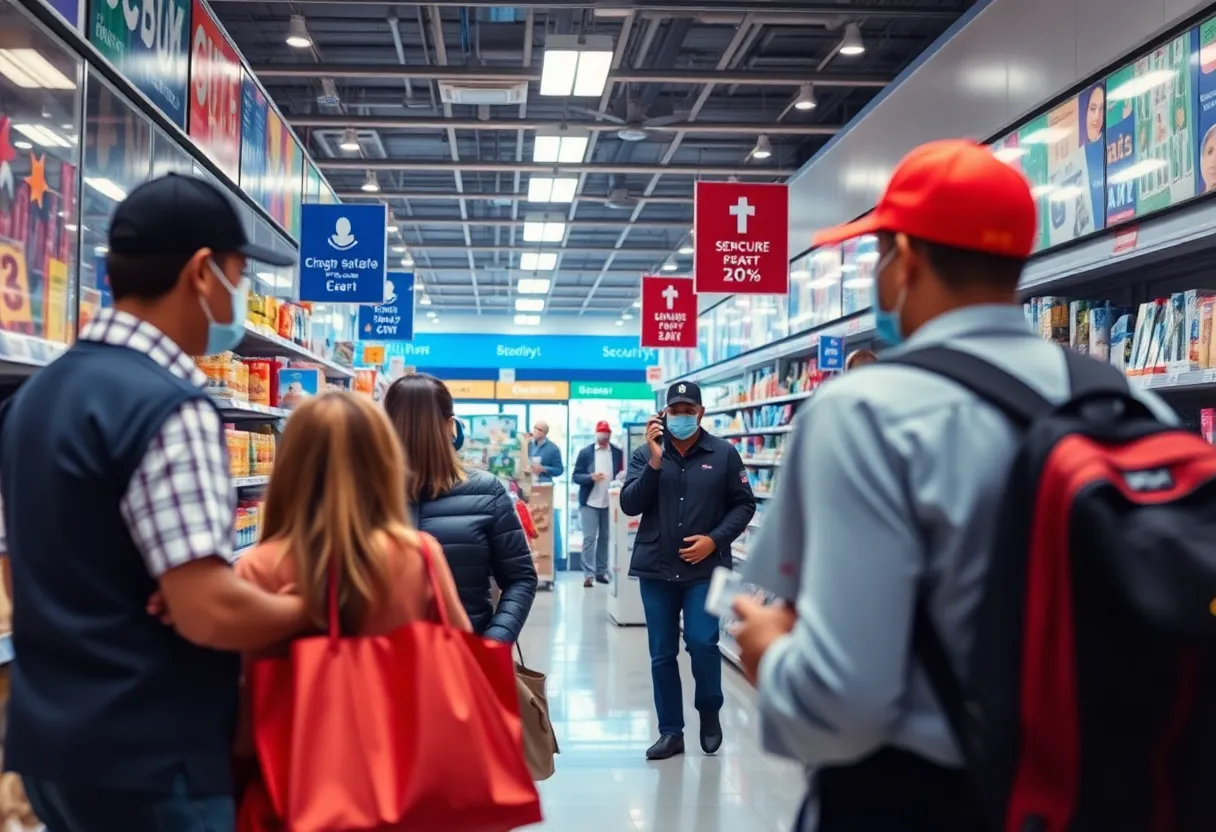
<point>392,320</point>
<point>669,312</point>
<point>742,238</point>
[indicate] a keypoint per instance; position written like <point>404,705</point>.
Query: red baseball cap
<point>955,193</point>
<point>603,427</point>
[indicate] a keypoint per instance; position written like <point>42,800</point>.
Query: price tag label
<point>373,355</point>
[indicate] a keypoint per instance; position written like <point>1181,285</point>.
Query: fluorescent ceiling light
<point>371,185</point>
<point>670,265</point>
<point>1008,155</point>
<point>544,231</point>
<point>398,249</point>
<point>576,65</point>
<point>527,320</point>
<point>297,33</point>
<point>1143,168</point>
<point>625,316</point>
<point>42,135</point>
<point>552,188</point>
<point>534,285</point>
<point>806,98</point>
<point>1046,135</point>
<point>392,229</point>
<point>1141,84</point>
<point>28,69</point>
<point>432,314</point>
<point>407,261</point>
<point>22,144</point>
<point>559,146</point>
<point>425,300</point>
<point>763,148</point>
<point>851,44</point>
<point>620,323</point>
<point>529,304</point>
<point>350,141</point>
<point>686,249</point>
<point>538,261</point>
<point>106,188</point>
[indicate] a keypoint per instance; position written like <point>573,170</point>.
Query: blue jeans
<point>80,808</point>
<point>663,601</point>
<point>595,541</point>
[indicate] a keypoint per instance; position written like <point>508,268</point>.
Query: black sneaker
<point>602,579</point>
<point>668,746</point>
<point>587,583</point>
<point>711,733</point>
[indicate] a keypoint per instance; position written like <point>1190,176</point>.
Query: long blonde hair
<point>338,492</point>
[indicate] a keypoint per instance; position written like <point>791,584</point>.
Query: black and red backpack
<point>1088,702</point>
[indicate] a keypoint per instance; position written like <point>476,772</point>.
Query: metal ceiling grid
<point>704,79</point>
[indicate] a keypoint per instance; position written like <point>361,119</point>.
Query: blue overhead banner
<point>394,319</point>
<point>343,249</point>
<point>524,352</point>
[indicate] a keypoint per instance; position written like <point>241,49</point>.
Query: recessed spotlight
<point>350,141</point>
<point>297,33</point>
<point>670,265</point>
<point>370,184</point>
<point>686,249</point>
<point>806,98</point>
<point>851,44</point>
<point>763,148</point>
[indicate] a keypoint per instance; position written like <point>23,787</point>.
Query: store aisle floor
<point>603,713</point>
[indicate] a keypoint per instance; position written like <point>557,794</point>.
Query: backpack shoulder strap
<point>928,647</point>
<point>1020,402</point>
<point>1089,377</point>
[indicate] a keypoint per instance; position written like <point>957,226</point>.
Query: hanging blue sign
<point>394,319</point>
<point>343,249</point>
<point>831,353</point>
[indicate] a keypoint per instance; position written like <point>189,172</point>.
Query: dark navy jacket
<point>103,694</point>
<point>705,492</point>
<point>584,467</point>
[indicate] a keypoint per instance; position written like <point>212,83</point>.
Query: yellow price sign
<point>14,287</point>
<point>55,302</point>
<point>373,355</point>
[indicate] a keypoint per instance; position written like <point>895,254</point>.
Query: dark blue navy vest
<point>102,693</point>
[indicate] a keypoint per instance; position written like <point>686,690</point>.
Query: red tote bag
<point>418,729</point>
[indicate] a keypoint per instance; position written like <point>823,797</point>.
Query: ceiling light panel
<point>28,69</point>
<point>527,320</point>
<point>538,261</point>
<point>534,285</point>
<point>544,231</point>
<point>552,188</point>
<point>529,304</point>
<point>576,65</point>
<point>564,147</point>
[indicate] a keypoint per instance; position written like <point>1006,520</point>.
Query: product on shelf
<point>295,384</point>
<point>238,451</point>
<point>259,379</point>
<point>248,523</point>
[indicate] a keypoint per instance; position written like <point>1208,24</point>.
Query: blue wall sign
<point>525,352</point>
<point>343,249</point>
<point>831,353</point>
<point>394,319</point>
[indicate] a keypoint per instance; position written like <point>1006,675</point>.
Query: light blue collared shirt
<point>892,481</point>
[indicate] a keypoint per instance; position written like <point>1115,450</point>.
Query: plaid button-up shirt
<point>179,505</point>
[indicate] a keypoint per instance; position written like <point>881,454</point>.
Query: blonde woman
<point>338,493</point>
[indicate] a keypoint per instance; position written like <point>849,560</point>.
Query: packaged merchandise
<point>258,384</point>
<point>1121,342</point>
<point>1194,300</point>
<point>1100,319</point>
<point>1175,336</point>
<point>1053,320</point>
<point>238,451</point>
<point>1078,325</point>
<point>1207,307</point>
<point>364,382</point>
<point>1207,424</point>
<point>298,383</point>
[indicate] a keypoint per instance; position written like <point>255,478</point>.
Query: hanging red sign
<point>669,312</point>
<point>742,238</point>
<point>215,92</point>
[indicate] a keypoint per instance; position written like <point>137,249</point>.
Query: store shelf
<point>22,355</point>
<point>249,482</point>
<point>763,495</point>
<point>260,341</point>
<point>238,411</point>
<point>1186,381</point>
<point>737,434</point>
<point>6,648</point>
<point>731,408</point>
<point>762,463</point>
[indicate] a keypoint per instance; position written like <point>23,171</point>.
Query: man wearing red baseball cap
<point>594,469</point>
<point>892,485</point>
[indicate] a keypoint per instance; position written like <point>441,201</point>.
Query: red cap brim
<point>869,224</point>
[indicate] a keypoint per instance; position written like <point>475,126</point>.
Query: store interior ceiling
<point>440,110</point>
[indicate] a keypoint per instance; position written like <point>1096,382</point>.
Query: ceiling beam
<point>757,172</point>
<point>414,196</point>
<point>508,222</point>
<point>338,122</point>
<point>624,76</point>
<point>533,247</point>
<point>618,8</point>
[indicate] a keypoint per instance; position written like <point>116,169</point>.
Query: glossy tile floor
<point>603,713</point>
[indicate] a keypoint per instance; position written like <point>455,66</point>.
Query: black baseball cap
<point>178,214</point>
<point>683,392</point>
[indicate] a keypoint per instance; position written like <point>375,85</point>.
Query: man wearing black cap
<point>120,494</point>
<point>692,493</point>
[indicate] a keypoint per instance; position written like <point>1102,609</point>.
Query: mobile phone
<point>725,585</point>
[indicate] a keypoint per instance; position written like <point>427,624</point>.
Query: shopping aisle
<point>603,713</point>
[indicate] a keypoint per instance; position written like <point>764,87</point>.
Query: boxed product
<point>1207,424</point>
<point>1207,308</point>
<point>1121,342</point>
<point>1195,300</point>
<point>1078,325</point>
<point>1100,320</point>
<point>1053,320</point>
<point>1175,338</point>
<point>298,383</point>
<point>258,379</point>
<point>238,451</point>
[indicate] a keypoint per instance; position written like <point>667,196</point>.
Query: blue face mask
<point>225,337</point>
<point>886,322</point>
<point>682,426</point>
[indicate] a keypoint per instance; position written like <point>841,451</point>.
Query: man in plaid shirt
<point>115,490</point>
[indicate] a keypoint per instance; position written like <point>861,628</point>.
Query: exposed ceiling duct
<point>549,169</point>
<point>328,122</point>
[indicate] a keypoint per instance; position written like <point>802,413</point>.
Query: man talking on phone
<point>692,493</point>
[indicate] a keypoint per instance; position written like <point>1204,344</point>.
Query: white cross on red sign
<point>742,238</point>
<point>669,312</point>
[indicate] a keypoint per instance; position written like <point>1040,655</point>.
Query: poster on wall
<point>1206,116</point>
<point>1075,168</point>
<point>1032,141</point>
<point>215,92</point>
<point>254,144</point>
<point>149,45</point>
<point>1151,130</point>
<point>295,184</point>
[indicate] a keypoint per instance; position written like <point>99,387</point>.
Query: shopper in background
<point>545,456</point>
<point>354,526</point>
<point>596,466</point>
<point>860,358</point>
<point>469,512</point>
<point>117,489</point>
<point>892,484</point>
<point>692,493</point>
